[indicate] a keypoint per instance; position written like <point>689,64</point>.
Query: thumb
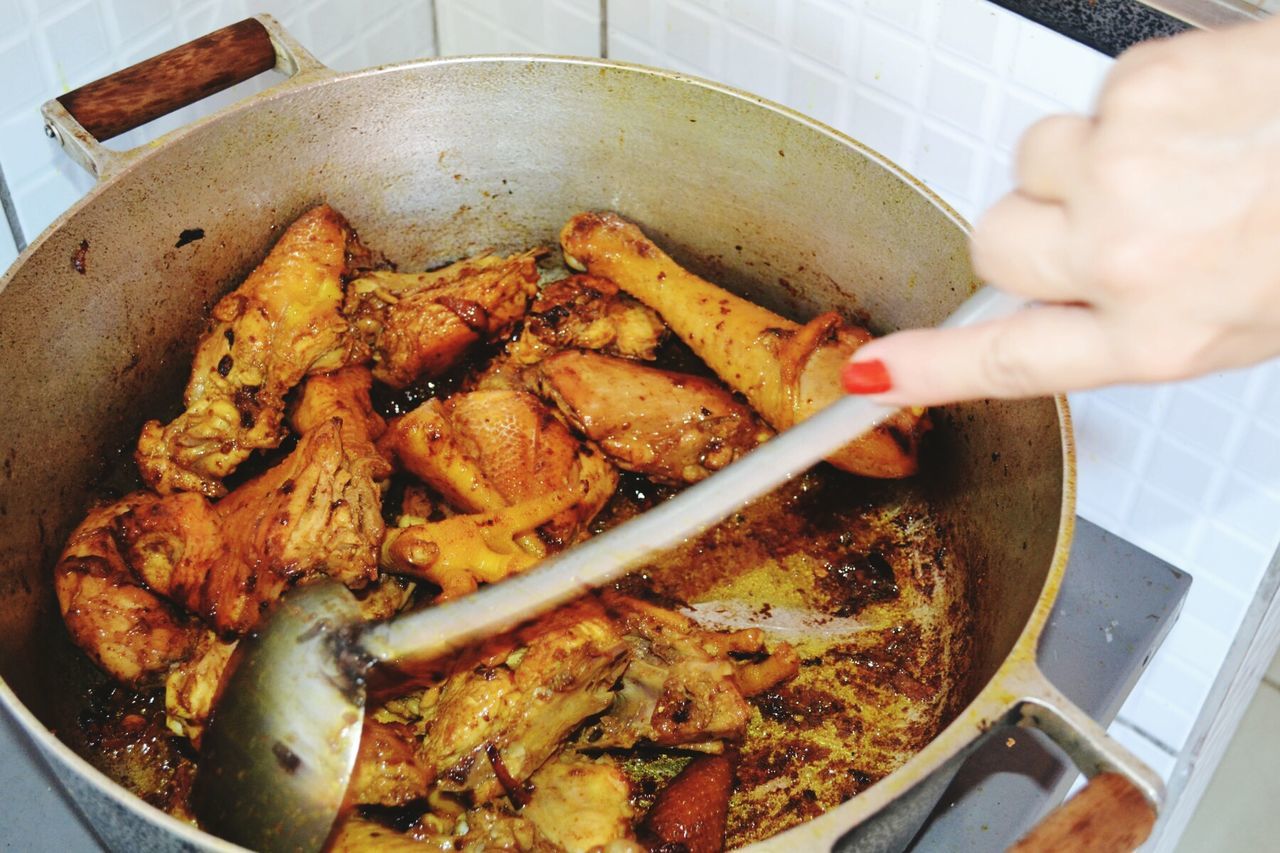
<point>1042,349</point>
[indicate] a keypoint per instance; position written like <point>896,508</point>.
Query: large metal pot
<point>436,158</point>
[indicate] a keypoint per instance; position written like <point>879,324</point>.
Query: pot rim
<point>992,702</point>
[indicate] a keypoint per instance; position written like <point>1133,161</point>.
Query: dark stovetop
<point>1115,607</point>
<point>1108,26</point>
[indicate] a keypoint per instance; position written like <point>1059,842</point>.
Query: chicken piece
<point>283,322</point>
<point>388,771</point>
<point>458,553</point>
<point>493,829</point>
<point>344,394</point>
<point>494,726</point>
<point>193,686</point>
<point>487,450</point>
<point>787,371</point>
<point>672,427</point>
<point>587,312</point>
<point>680,688</point>
<point>581,804</point>
<point>130,632</point>
<point>425,443</point>
<point>420,325</point>
<point>316,512</point>
<point>692,812</point>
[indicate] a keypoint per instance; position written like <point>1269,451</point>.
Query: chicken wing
<point>419,325</point>
<point>130,632</point>
<point>672,427</point>
<point>787,371</point>
<point>283,322</point>
<point>587,312</point>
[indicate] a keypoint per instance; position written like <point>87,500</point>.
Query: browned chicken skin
<point>673,427</point>
<point>501,457</point>
<point>283,322</point>
<point>691,813</point>
<point>581,804</point>
<point>785,370</point>
<point>494,726</point>
<point>420,325</point>
<point>129,631</point>
<point>344,394</point>
<point>681,688</point>
<point>521,448</point>
<point>317,512</point>
<point>587,312</point>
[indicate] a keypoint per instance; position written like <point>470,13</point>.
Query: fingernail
<point>866,377</point>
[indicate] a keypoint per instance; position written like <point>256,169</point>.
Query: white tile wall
<point>48,48</point>
<point>519,26</point>
<point>1191,472</point>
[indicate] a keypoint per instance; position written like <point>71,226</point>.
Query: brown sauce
<point>883,660</point>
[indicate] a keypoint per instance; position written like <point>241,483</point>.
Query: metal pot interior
<point>435,160</point>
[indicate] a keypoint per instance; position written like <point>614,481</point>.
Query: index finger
<point>1050,155</point>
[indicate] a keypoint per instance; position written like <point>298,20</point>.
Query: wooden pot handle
<point>154,87</point>
<point>1108,815</point>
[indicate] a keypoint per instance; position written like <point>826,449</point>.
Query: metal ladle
<point>279,752</point>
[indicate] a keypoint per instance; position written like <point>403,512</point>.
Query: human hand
<point>1148,234</point>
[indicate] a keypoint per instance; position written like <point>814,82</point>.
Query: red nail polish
<point>866,377</point>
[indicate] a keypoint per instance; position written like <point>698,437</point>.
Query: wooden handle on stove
<point>1108,815</point>
<point>154,87</point>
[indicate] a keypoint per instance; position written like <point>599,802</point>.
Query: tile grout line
<point>11,214</point>
<point>604,29</point>
<point>1133,724</point>
<point>435,28</point>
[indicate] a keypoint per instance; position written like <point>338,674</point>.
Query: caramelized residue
<point>885,642</point>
